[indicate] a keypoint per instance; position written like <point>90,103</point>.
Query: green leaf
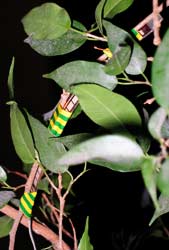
<point>156,122</point>
<point>43,185</point>
<point>47,21</point>
<point>71,140</point>
<point>76,112</point>
<point>112,151</point>
<point>3,175</point>
<point>64,44</point>
<point>115,35</point>
<point>160,73</point>
<point>48,149</point>
<point>98,14</point>
<point>164,208</point>
<point>5,225</point>
<point>119,61</point>
<point>84,243</point>
<point>10,80</point>
<point>115,7</point>
<point>149,176</point>
<point>163,177</point>
<point>82,72</point>
<point>118,37</point>
<point>138,61</point>
<point>106,108</point>
<point>5,197</point>
<point>21,135</point>
<point>165,129</point>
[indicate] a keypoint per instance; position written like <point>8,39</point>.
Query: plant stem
<point>89,35</point>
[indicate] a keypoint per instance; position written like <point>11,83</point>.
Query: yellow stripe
<point>25,206</point>
<point>55,115</point>
<point>61,121</point>
<point>56,128</point>
<point>139,37</point>
<point>29,199</point>
<point>64,112</point>
<point>34,194</point>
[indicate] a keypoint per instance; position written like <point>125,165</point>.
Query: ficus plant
<point>123,136</point>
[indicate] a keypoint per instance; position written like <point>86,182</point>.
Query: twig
<point>38,228</point>
<point>74,235</point>
<point>28,187</point>
<point>157,24</point>
<point>149,101</point>
<point>55,212</point>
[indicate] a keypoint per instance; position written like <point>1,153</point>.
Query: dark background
<point>118,206</point>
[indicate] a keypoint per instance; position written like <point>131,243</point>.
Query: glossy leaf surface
<point>114,7</point>
<point>5,225</point>
<point>113,151</point>
<point>5,197</point>
<point>84,243</point>
<point>160,73</point>
<point>48,21</point>
<point>68,42</point>
<point>49,150</point>
<point>82,72</point>
<point>107,109</point>
<point>21,135</point>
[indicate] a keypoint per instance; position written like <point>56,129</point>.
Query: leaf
<point>48,149</point>
<point>98,14</point>
<point>43,185</point>
<point>112,151</point>
<point>5,225</point>
<point>119,37</point>
<point>138,61</point>
<point>3,176</point>
<point>117,64</point>
<point>5,197</point>
<point>156,122</point>
<point>21,135</point>
<point>47,21</point>
<point>160,73</point>
<point>106,108</point>
<point>149,175</point>
<point>164,208</point>
<point>82,72</point>
<point>68,42</point>
<point>163,177</point>
<point>84,243</point>
<point>10,80</point>
<point>165,129</point>
<point>76,112</point>
<point>71,140</point>
<point>115,35</point>
<point>115,7</point>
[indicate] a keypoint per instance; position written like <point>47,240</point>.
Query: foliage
<point>116,143</point>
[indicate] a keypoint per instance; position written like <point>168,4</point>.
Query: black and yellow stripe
<point>58,121</point>
<point>27,203</point>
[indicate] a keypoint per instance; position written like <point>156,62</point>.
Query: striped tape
<point>27,203</point>
<point>58,121</point>
<point>137,34</point>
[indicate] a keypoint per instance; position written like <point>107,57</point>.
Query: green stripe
<point>54,132</point>
<point>32,197</point>
<point>135,32</point>
<point>58,124</point>
<point>63,117</point>
<point>27,202</point>
<point>24,211</point>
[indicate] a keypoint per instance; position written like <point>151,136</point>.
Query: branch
<point>38,228</point>
<point>157,23</point>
